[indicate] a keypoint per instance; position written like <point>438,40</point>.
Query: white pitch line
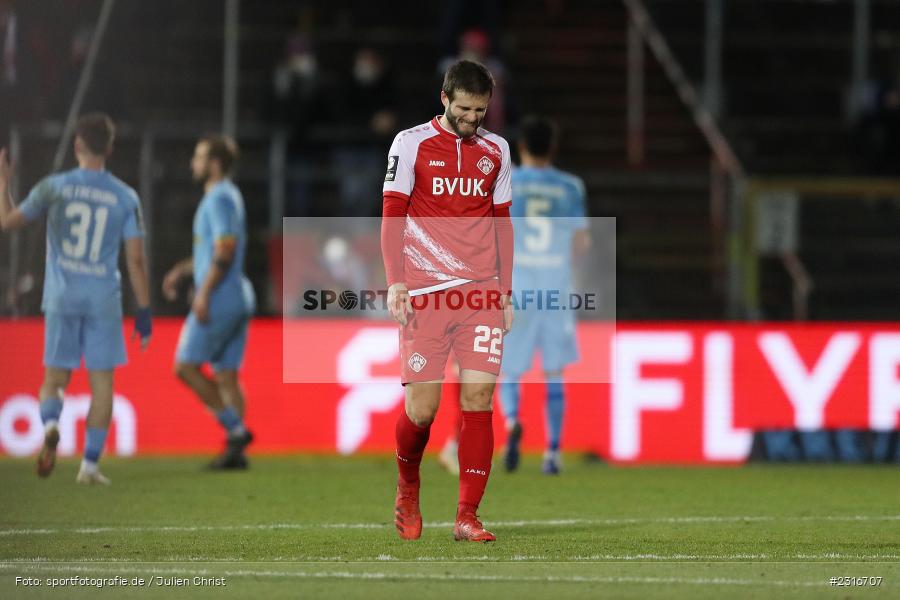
<point>620,557</point>
<point>447,524</point>
<point>194,528</point>
<point>677,557</point>
<point>369,575</point>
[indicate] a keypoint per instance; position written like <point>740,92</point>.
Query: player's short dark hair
<point>468,76</point>
<point>539,135</point>
<point>223,149</point>
<point>97,131</point>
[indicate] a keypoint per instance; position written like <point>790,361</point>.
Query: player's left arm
<point>136,261</point>
<point>502,194</point>
<point>224,250</point>
<point>582,240</point>
<point>505,250</point>
<point>10,216</point>
<point>227,225</point>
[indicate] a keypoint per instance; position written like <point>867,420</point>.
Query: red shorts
<point>466,318</point>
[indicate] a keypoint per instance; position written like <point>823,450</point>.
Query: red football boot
<point>407,517</point>
<point>469,529</point>
<point>47,458</point>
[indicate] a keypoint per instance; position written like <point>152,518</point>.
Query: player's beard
<point>454,124</point>
<point>200,176</point>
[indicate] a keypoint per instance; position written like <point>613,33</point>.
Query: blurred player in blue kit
<point>550,227</point>
<point>216,329</point>
<point>90,213</point>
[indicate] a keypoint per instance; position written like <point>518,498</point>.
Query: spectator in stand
<point>106,89</point>
<point>367,110</point>
<point>475,45</point>
<point>28,59</point>
<point>296,102</point>
<point>8,67</point>
<point>878,128</point>
<point>459,16</point>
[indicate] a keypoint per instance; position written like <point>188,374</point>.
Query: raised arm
<point>10,216</point>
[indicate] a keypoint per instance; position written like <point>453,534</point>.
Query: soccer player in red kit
<point>448,247</point>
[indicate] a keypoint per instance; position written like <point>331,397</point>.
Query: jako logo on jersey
<point>485,164</point>
<point>436,163</point>
<point>417,362</point>
<point>477,471</point>
<point>464,186</point>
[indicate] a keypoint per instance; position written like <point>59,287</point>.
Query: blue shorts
<point>220,341</point>
<point>550,332</point>
<point>68,337</point>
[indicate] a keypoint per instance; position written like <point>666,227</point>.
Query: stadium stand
<point>785,113</point>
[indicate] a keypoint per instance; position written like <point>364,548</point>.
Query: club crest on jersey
<point>486,165</point>
<point>417,362</point>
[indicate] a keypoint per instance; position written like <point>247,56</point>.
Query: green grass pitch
<point>321,527</point>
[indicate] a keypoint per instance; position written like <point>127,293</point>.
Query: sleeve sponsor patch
<point>393,161</point>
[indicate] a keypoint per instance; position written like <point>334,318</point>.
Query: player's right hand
<point>170,284</point>
<point>5,168</point>
<point>143,326</point>
<point>399,303</point>
<point>508,315</point>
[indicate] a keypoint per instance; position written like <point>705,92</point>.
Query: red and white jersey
<point>452,184</point>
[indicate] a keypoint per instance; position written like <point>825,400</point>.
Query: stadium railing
<point>833,217</point>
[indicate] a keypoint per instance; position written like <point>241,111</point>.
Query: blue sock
<point>554,412</point>
<point>230,420</point>
<point>509,399</point>
<point>50,410</point>
<point>94,440</point>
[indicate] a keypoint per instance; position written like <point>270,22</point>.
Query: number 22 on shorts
<point>485,333</point>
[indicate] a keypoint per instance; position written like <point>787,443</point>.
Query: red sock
<point>411,441</point>
<point>451,393</point>
<point>476,446</point>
